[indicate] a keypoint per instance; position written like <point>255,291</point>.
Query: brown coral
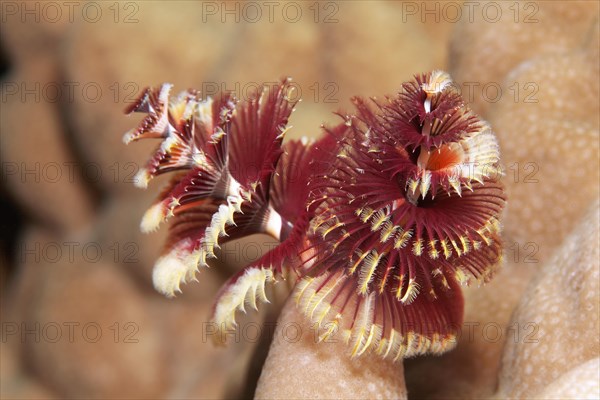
<point>369,45</point>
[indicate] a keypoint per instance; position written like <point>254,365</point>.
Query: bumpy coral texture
<point>540,355</point>
<point>170,350</point>
<point>380,221</point>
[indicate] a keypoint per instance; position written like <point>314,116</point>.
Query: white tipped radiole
<point>246,290</point>
<point>129,136</point>
<point>177,267</point>
<point>141,178</point>
<point>152,218</point>
<point>181,264</point>
<point>437,83</point>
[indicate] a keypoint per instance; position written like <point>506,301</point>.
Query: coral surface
<point>542,55</point>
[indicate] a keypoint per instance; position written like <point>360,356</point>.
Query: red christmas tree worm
<point>380,221</point>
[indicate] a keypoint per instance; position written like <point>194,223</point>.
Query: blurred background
<point>80,318</point>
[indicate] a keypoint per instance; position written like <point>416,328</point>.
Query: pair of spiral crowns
<point>379,221</point>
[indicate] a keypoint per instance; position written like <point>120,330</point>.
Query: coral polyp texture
<point>379,221</point>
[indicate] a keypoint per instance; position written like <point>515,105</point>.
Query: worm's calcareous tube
<point>380,221</point>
